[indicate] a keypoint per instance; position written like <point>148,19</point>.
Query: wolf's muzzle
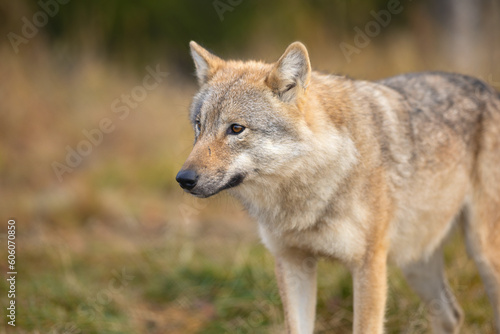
<point>187,179</point>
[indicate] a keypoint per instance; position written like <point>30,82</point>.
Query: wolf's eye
<point>198,125</point>
<point>235,129</point>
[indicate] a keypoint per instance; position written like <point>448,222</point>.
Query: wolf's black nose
<point>187,179</point>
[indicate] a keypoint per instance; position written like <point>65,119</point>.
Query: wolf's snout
<point>187,179</point>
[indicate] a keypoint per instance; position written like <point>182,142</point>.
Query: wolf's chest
<point>343,239</point>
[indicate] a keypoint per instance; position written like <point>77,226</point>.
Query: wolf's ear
<point>291,74</point>
<point>205,62</point>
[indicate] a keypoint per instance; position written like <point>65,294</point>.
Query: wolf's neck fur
<point>307,185</point>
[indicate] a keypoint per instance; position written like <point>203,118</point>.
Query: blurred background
<point>94,99</point>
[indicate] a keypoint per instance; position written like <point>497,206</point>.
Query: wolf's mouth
<point>233,182</point>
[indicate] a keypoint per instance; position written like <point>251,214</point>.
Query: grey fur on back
<point>445,103</point>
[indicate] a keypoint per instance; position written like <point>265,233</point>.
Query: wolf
<point>367,173</point>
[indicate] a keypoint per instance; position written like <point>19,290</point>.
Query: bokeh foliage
<point>134,31</point>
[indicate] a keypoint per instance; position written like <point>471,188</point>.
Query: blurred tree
<point>141,32</point>
<point>462,25</point>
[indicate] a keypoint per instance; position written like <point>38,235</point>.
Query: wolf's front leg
<point>296,275</point>
<point>370,292</point>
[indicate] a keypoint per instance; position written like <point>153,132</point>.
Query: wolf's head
<point>247,118</point>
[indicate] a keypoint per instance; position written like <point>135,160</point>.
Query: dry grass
<point>116,247</point>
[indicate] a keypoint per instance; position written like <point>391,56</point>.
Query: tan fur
<point>363,172</point>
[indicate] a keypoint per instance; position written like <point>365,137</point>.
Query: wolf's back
<point>447,102</point>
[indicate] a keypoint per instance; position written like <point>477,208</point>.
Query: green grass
<point>93,282</point>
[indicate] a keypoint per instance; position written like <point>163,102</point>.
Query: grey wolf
<point>363,172</point>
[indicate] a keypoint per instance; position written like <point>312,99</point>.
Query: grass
<point>116,247</point>
<point>103,280</point>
